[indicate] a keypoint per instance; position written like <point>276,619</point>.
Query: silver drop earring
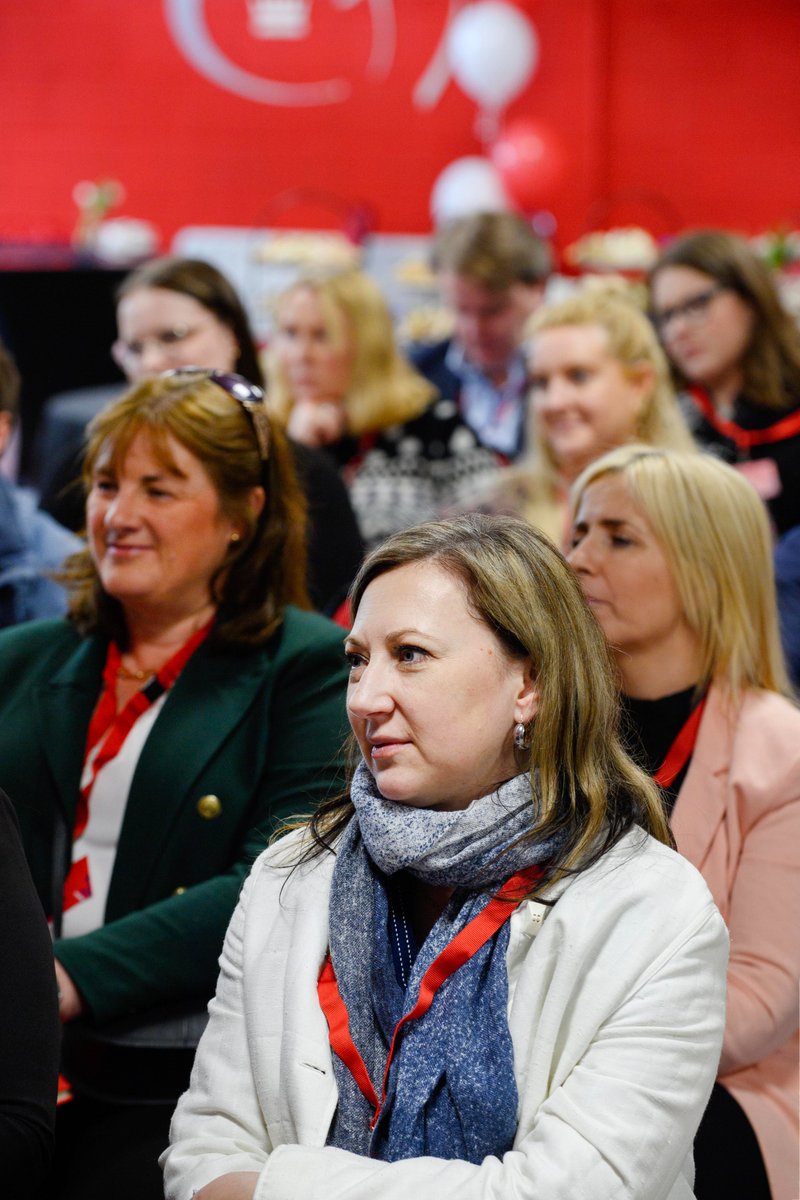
<point>521,737</point>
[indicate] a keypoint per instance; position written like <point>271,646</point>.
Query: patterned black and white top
<point>410,473</point>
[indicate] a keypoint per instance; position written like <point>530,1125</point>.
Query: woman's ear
<point>6,429</point>
<point>234,349</point>
<point>257,500</point>
<point>642,375</point>
<point>527,702</point>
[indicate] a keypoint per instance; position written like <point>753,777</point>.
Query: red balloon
<point>528,158</point>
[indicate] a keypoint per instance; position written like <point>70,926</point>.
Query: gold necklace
<point>137,676</point>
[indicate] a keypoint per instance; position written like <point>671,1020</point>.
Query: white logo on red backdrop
<point>489,48</point>
<point>278,20</point>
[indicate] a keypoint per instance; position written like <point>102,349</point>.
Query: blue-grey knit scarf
<point>451,1090</point>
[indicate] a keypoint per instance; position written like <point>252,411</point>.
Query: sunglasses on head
<point>249,395</point>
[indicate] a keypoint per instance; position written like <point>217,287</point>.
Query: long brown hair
<point>266,569</point>
<point>771,363</point>
<point>522,588</point>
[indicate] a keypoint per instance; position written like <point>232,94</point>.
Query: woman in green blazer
<point>153,740</point>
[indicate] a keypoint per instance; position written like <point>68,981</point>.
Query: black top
<point>412,472</point>
<point>335,549</point>
<point>649,727</point>
<point>30,1035</point>
<point>784,508</point>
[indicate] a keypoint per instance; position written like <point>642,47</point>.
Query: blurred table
<point>258,265</point>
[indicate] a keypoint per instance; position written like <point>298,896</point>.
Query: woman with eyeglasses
<point>736,353</point>
<point>181,312</point>
<point>152,740</point>
<point>176,312</point>
<point>673,552</point>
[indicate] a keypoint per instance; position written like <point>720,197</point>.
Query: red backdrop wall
<point>669,112</point>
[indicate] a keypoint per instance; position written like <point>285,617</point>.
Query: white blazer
<point>616,1013</point>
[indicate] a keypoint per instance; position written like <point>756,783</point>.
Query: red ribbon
<point>745,439</point>
<point>464,945</point>
<point>681,749</point>
<point>114,727</point>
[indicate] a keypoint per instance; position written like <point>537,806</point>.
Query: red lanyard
<point>745,439</point>
<point>681,749</point>
<point>114,727</point>
<point>466,943</point>
<point>363,446</point>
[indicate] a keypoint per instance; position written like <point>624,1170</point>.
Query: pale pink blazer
<point>737,818</point>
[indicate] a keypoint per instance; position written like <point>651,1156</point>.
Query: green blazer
<point>245,738</point>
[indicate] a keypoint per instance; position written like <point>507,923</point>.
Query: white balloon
<point>466,186</point>
<point>493,50</point>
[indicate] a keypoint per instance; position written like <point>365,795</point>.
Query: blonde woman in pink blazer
<point>673,553</point>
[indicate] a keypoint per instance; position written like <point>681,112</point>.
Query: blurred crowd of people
<point>173,692</point>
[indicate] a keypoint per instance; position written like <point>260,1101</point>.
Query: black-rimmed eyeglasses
<point>693,309</point>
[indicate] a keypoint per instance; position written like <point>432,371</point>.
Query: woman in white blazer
<point>484,972</point>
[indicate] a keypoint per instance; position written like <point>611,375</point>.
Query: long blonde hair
<point>715,534</point>
<point>384,388</point>
<point>534,486</point>
<point>522,588</point>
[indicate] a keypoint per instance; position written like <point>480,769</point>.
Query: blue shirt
<point>497,414</point>
<point>31,544</point>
